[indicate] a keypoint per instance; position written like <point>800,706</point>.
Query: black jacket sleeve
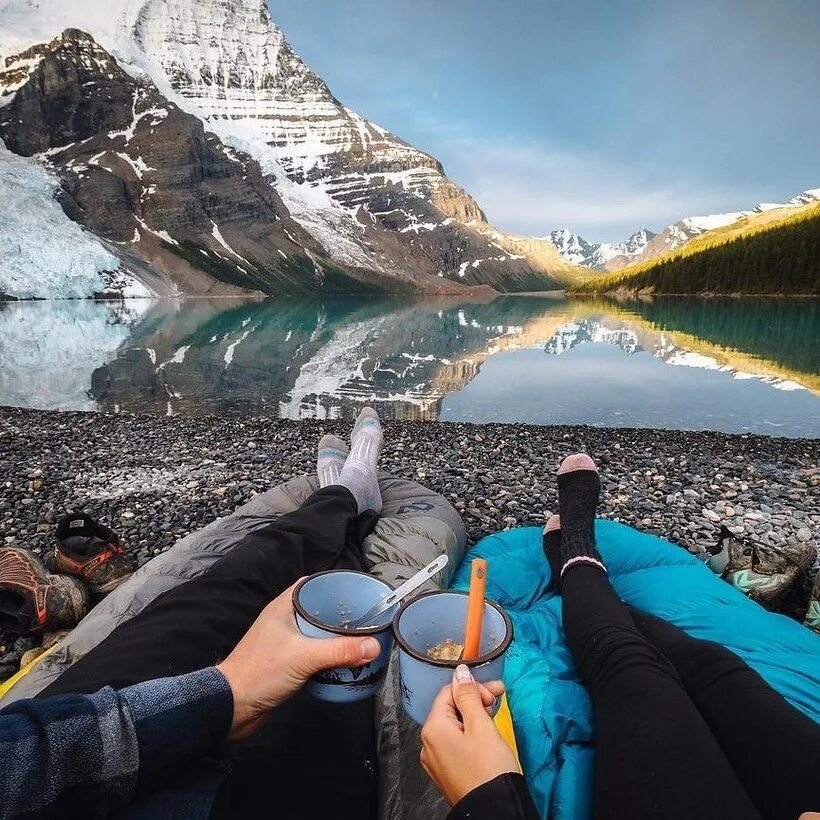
<point>504,798</point>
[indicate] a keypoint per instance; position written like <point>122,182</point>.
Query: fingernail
<point>370,649</point>
<point>463,674</point>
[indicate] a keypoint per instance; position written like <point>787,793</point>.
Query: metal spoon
<point>401,593</point>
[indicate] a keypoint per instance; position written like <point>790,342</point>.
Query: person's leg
<point>305,741</point>
<point>197,623</point>
<point>654,754</point>
<point>773,748</point>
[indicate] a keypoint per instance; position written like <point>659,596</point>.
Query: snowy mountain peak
<point>572,247</point>
<point>638,241</point>
<point>645,244</point>
<point>806,197</point>
<point>579,251</point>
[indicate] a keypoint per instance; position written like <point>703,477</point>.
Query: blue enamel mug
<point>425,622</point>
<point>324,604</point>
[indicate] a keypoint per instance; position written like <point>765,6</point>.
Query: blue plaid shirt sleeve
<point>88,750</point>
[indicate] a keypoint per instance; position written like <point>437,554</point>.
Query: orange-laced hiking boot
<point>33,601</point>
<point>91,552</point>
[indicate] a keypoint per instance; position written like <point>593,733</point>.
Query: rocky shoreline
<point>155,479</point>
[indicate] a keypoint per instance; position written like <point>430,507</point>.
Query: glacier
<point>43,254</point>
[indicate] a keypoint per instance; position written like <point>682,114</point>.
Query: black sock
<point>552,549</point>
<point>578,492</point>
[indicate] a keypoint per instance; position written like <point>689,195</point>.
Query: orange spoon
<point>475,609</point>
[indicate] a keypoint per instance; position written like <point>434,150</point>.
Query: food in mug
<point>447,650</point>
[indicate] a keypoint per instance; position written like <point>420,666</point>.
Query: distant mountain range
<point>644,245</point>
<point>201,155</point>
<point>773,250</point>
<point>600,255</point>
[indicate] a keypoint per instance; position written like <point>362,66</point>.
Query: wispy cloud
<point>533,189</point>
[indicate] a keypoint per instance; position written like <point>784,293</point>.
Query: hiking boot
<point>32,600</point>
<point>813,612</point>
<point>760,571</point>
<point>91,552</point>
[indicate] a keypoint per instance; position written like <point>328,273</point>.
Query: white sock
<point>359,471</point>
<point>329,460</point>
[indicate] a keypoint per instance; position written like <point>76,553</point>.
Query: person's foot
<point>358,473</point>
<point>91,552</point>
<point>330,459</point>
<point>34,601</point>
<point>578,489</point>
<point>552,549</point>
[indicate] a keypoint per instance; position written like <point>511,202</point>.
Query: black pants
<point>311,759</point>
<point>684,729</point>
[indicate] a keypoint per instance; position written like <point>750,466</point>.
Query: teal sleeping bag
<point>551,710</point>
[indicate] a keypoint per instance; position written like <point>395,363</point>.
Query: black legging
<point>305,742</point>
<point>684,729</point>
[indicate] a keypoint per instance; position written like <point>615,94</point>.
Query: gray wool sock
<point>359,471</point>
<point>329,459</point>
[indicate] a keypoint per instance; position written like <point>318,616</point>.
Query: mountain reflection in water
<point>743,364</point>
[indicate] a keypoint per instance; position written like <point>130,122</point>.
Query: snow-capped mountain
<point>600,255</point>
<point>806,198</point>
<point>144,175</point>
<point>363,205</point>
<point>644,244</point>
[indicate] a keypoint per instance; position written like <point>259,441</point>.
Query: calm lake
<point>735,365</point>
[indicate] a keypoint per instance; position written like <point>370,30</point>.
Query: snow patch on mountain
<point>311,206</point>
<point>43,254</point>
<point>572,247</point>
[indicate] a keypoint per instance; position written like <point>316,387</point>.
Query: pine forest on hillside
<point>783,258</point>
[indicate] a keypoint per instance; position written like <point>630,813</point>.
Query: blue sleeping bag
<point>551,710</point>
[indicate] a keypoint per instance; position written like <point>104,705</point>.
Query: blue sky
<point>597,116</point>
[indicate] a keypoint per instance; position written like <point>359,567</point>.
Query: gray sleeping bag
<point>416,526</point>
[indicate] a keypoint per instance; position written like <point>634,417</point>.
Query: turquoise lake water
<point>736,365</point>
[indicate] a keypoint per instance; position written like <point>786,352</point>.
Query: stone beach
<point>155,479</point>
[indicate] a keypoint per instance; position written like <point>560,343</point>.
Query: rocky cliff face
<point>362,204</point>
<point>390,200</point>
<point>141,173</point>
